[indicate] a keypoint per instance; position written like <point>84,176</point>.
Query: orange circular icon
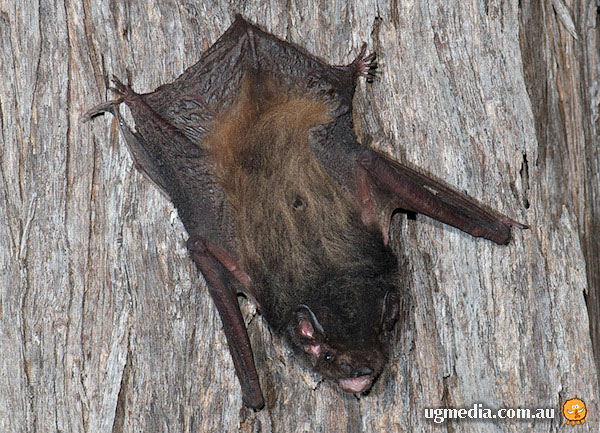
<point>574,411</point>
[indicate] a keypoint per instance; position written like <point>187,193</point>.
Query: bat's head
<point>352,353</point>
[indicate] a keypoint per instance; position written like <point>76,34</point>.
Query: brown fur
<point>265,165</point>
<point>296,230</point>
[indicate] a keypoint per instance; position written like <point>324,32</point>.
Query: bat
<point>255,147</point>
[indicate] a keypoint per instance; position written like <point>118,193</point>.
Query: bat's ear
<point>389,311</point>
<point>304,327</point>
<point>307,333</point>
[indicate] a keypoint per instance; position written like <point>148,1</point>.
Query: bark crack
<point>524,173</point>
<point>89,31</point>
<point>120,410</point>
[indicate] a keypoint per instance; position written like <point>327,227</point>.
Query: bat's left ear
<point>307,333</point>
<point>304,326</point>
<point>389,310</point>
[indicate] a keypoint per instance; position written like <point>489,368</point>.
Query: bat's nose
<point>363,371</point>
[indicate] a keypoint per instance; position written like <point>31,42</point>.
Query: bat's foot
<point>365,65</point>
<point>123,90</point>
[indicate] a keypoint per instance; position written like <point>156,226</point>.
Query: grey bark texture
<point>105,324</point>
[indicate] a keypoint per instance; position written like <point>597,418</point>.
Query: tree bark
<point>105,324</point>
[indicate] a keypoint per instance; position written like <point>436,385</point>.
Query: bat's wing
<point>213,263</point>
<point>183,171</point>
<point>416,192</point>
<point>381,185</point>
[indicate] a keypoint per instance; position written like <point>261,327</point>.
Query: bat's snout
<point>356,384</point>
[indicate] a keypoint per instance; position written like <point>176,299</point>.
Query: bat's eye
<point>328,357</point>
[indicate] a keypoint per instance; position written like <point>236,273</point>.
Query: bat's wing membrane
<point>185,175</point>
<point>413,191</point>
<point>212,85</point>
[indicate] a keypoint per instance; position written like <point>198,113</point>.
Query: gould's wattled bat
<point>255,147</point>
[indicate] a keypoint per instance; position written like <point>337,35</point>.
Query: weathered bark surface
<point>105,325</point>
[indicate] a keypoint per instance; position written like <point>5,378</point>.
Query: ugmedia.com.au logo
<point>439,415</point>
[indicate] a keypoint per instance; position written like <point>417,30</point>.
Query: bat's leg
<point>233,322</point>
<point>232,264</point>
<point>416,192</point>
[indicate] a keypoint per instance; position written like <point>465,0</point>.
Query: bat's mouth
<point>356,384</point>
